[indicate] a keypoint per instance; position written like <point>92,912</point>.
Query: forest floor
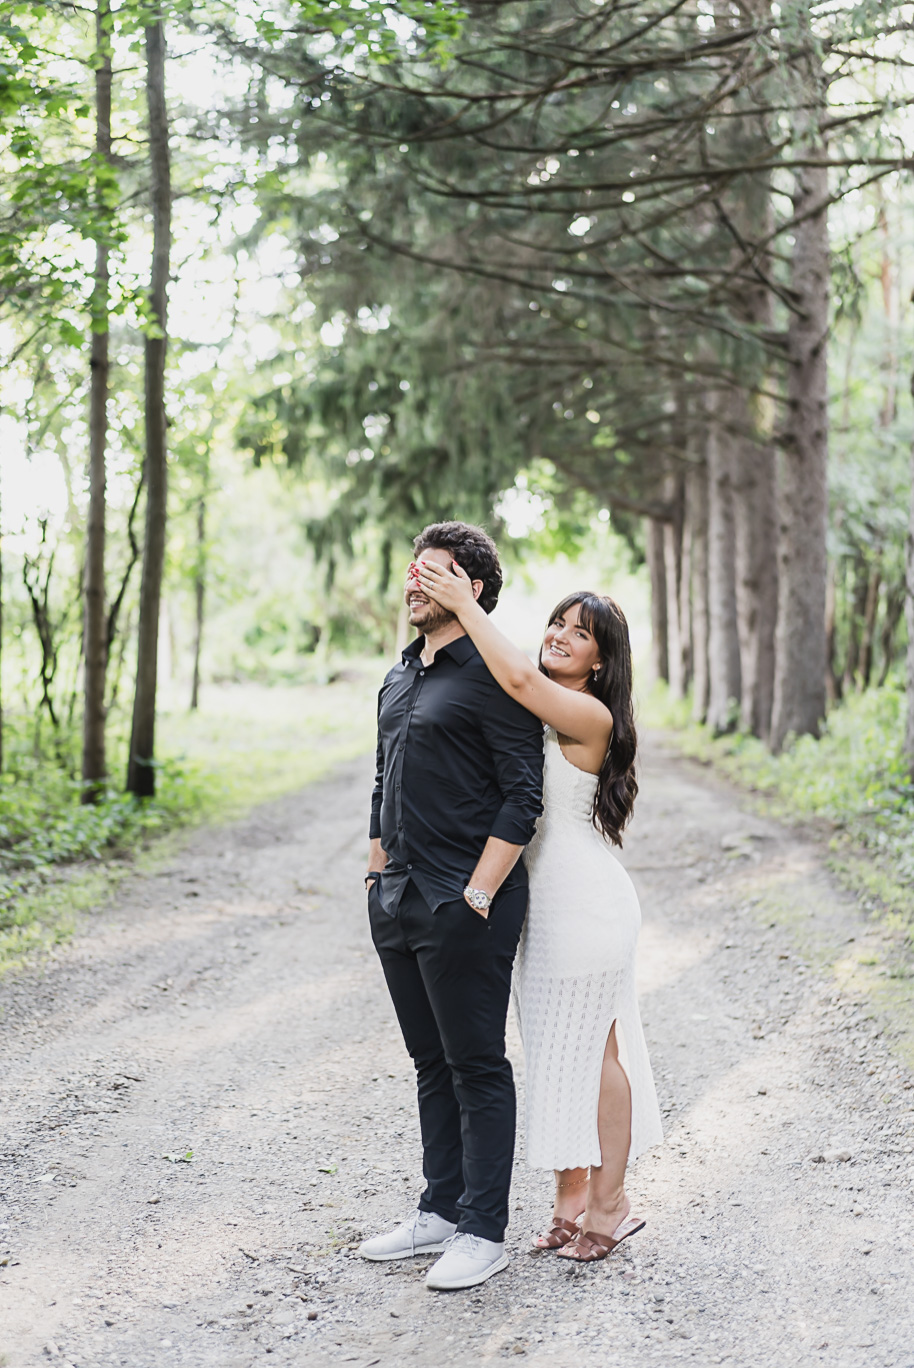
<point>206,1104</point>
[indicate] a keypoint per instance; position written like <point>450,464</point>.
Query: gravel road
<point>206,1104</point>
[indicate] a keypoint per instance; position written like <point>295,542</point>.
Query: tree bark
<point>95,624</point>
<point>723,632</point>
<point>755,477</point>
<point>697,523</point>
<point>677,630</point>
<point>685,592</point>
<point>756,524</point>
<point>656,562</point>
<point>894,610</point>
<point>890,311</point>
<point>1,621</point>
<point>799,692</point>
<point>855,624</point>
<point>833,689</point>
<point>199,599</point>
<point>909,619</point>
<point>868,635</point>
<point>140,767</point>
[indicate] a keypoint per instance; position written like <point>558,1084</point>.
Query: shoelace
<point>419,1222</point>
<point>468,1241</point>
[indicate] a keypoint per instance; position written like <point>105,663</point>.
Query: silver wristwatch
<point>480,901</point>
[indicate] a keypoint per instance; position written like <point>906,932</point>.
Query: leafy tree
<point>593,173</point>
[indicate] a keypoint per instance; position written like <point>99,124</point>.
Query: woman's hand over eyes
<point>451,588</point>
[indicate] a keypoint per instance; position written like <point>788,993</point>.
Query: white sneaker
<point>468,1260</point>
<point>422,1233</point>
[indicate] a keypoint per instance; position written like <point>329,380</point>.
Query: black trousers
<point>449,975</point>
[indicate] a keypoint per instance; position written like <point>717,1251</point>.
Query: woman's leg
<point>570,1193</point>
<point>607,1204</point>
<point>570,1200</point>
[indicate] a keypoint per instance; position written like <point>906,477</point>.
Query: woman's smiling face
<point>569,653</point>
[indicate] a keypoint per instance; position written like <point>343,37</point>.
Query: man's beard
<point>434,617</point>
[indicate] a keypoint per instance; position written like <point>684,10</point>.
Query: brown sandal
<point>560,1233</point>
<point>588,1246</point>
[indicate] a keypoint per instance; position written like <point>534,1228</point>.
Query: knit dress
<point>575,975</point>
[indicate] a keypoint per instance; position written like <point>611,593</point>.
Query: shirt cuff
<point>513,826</point>
<point>374,827</point>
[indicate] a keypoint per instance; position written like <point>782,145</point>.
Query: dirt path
<point>233,1007</point>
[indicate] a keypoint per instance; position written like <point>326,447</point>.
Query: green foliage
<point>56,193</point>
<point>43,823</point>
<point>370,27</point>
<point>852,779</point>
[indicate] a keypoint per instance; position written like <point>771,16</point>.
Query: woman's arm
<point>579,716</point>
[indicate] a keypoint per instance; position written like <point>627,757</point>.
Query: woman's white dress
<point>575,975</point>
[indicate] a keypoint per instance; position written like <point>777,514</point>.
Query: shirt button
<point>398,788</point>
<point>421,674</point>
<point>409,866</point>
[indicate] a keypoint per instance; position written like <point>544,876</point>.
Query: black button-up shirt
<point>458,761</point>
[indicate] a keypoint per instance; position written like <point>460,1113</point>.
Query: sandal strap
<point>589,1245</point>
<point>559,1234</point>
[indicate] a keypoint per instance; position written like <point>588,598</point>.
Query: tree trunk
<point>685,591</point>
<point>855,625</point>
<point>868,635</point>
<point>95,623</point>
<point>833,689</point>
<point>199,596</point>
<point>672,557</point>
<point>799,692</point>
<point>697,522</point>
<point>723,633</point>
<point>1,624</point>
<point>140,768</point>
<point>909,619</point>
<point>755,520</point>
<point>894,610</point>
<point>656,562</point>
<point>755,491</point>
<point>890,311</point>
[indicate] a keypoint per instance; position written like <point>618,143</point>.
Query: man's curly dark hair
<point>472,549</point>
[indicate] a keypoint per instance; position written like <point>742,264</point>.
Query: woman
<point>590,1092</point>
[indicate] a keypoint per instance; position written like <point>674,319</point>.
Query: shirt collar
<point>460,650</point>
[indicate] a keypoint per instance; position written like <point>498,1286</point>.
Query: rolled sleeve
<point>515,738</point>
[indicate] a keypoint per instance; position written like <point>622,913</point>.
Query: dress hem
<point>578,1162</point>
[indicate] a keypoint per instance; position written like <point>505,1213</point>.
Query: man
<point>457,794</point>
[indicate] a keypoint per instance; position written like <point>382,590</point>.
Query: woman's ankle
<point>606,1209</point>
<point>570,1208</point>
<point>571,1196</point>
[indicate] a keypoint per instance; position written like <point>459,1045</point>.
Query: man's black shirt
<point>458,761</point>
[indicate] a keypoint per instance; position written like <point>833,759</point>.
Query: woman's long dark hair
<point>617,786</point>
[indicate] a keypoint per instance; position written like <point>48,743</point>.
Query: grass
<point>246,745</point>
<point>851,782</point>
